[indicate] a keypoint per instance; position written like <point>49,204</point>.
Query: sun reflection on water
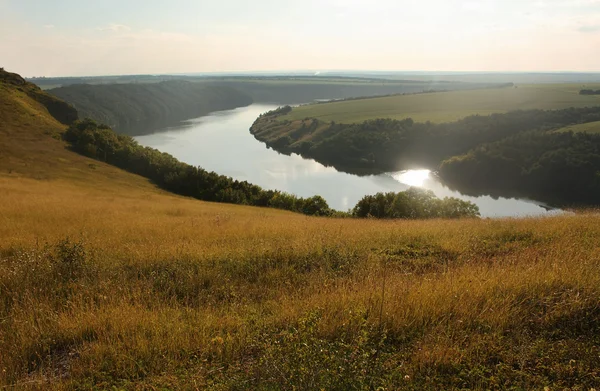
<point>413,177</point>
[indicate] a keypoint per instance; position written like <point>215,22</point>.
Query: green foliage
<point>315,206</point>
<point>413,204</point>
<point>100,142</point>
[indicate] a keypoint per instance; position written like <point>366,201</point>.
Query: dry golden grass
<point>176,292</point>
<point>154,291</point>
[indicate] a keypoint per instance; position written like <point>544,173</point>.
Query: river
<point>222,142</point>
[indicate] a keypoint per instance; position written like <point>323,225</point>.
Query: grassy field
<point>590,127</point>
<point>107,282</point>
<point>450,106</point>
<point>158,292</point>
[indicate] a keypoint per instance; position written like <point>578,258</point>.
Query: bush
<point>413,204</point>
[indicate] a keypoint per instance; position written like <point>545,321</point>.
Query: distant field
<point>451,106</point>
<point>591,127</point>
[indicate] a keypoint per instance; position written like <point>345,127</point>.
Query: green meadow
<point>450,106</point>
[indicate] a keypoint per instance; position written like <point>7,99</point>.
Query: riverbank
<point>516,154</point>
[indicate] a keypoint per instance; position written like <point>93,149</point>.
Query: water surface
<point>222,142</point>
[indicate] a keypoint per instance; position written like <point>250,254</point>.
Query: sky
<point>109,37</point>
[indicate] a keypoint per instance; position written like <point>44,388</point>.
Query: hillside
<point>107,282</point>
<point>450,106</point>
<point>30,146</point>
<point>143,108</point>
<point>13,83</point>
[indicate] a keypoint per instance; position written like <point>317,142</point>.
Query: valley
<point>109,281</point>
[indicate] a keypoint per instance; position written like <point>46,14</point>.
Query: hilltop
<point>107,282</point>
<point>12,83</point>
<point>31,125</point>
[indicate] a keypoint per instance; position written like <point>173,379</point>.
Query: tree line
<point>589,92</point>
<point>102,143</point>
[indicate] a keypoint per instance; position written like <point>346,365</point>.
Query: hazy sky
<point>76,37</point>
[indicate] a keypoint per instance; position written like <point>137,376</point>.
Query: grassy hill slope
<point>449,106</point>
<point>108,283</point>
<point>30,145</point>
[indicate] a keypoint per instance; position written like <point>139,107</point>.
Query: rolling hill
<point>143,108</point>
<point>107,282</point>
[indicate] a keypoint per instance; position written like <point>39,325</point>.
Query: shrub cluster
<point>413,204</point>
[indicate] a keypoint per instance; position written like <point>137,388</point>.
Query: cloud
<point>116,28</point>
<point>452,35</point>
<point>49,26</point>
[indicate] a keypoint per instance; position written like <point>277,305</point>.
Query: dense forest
<point>516,153</point>
<point>102,143</point>
<point>142,108</point>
